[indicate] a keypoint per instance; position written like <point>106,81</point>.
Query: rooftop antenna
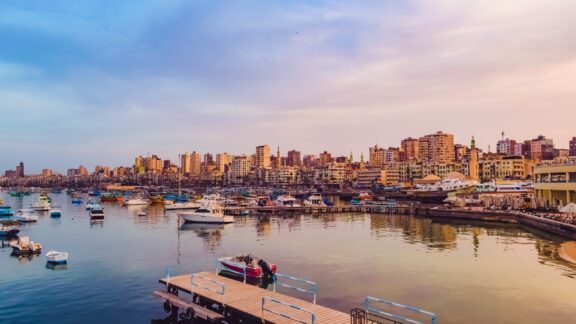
<point>502,135</point>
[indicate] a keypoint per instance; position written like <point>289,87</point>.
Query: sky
<point>100,82</point>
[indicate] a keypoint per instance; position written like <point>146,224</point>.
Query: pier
<point>215,297</point>
<point>284,210</point>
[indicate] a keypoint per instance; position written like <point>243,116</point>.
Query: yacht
<point>315,200</point>
<point>182,205</point>
<point>25,215</point>
<point>285,201</point>
<point>210,213</point>
<point>136,201</point>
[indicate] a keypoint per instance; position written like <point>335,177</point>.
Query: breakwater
<point>552,226</point>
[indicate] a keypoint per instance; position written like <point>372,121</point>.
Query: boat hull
<point>206,219</point>
<point>59,258</point>
<point>253,272</point>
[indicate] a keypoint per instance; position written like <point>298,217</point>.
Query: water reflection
<point>211,234</point>
<point>56,266</point>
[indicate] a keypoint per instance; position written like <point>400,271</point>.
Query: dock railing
<point>222,291</point>
<point>370,309</point>
<point>313,290</point>
<point>285,315</point>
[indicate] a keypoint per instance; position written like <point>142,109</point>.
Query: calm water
<point>466,273</point>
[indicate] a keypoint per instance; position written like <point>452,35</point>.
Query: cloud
<point>173,76</point>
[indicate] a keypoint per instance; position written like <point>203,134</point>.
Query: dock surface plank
<point>247,299</point>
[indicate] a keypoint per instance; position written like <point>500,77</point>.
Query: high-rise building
<point>208,158</point>
<point>263,156</point>
<point>185,163</point>
<point>309,161</point>
<point>82,170</point>
<point>239,168</point>
<point>506,147</point>
<point>572,146</point>
<point>460,152</point>
<point>376,157</point>
<point>222,161</point>
<point>438,147</point>
<point>542,148</point>
<point>293,159</point>
<point>325,158</point>
<point>410,149</point>
<point>392,155</point>
<point>195,163</point>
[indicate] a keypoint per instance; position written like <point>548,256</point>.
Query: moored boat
<point>247,265</point>
<point>5,211</point>
<point>57,257</point>
<point>25,215</point>
<point>182,205</point>
<point>136,201</point>
<point>55,213</point>
<point>209,213</point>
<point>286,201</point>
<point>23,246</point>
<point>43,204</point>
<point>315,200</point>
<point>9,228</point>
<point>96,213</point>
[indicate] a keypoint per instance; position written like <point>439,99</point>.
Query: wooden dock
<point>250,304</point>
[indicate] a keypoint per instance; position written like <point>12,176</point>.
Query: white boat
<point>136,201</point>
<point>43,204</point>
<point>285,201</point>
<point>57,257</point>
<point>23,246</point>
<point>212,198</point>
<point>141,213</point>
<point>502,188</point>
<point>9,228</point>
<point>90,204</point>
<point>209,213</point>
<point>315,200</point>
<point>25,215</point>
<point>97,212</point>
<point>183,205</point>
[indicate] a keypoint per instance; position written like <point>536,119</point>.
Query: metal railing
<point>285,315</point>
<point>372,310</point>
<point>220,291</point>
<point>359,316</point>
<point>313,286</point>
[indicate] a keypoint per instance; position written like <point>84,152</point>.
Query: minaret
<point>473,166</point>
<point>362,164</point>
<point>351,158</point>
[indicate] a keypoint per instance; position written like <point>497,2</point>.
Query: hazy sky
<point>99,82</point>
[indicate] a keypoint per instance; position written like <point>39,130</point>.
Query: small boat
<point>90,204</point>
<point>96,213</point>
<point>25,215</point>
<point>5,211</point>
<point>136,201</point>
<point>182,205</point>
<point>9,228</point>
<point>23,246</point>
<point>209,213</point>
<point>247,264</point>
<point>43,204</point>
<point>57,257</point>
<point>55,213</point>
<point>141,213</point>
<point>315,200</point>
<point>76,201</point>
<point>286,201</point>
<point>156,199</point>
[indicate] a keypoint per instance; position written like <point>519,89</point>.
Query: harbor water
<point>465,272</point>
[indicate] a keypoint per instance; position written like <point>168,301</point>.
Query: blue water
<point>479,273</point>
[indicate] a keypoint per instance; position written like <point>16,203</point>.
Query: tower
<point>278,158</point>
<point>473,166</point>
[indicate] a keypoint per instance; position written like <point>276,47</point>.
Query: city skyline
<point>102,82</point>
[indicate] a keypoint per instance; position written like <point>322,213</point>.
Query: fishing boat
<point>9,228</point>
<point>43,204</point>
<point>285,201</point>
<point>26,216</point>
<point>96,213</point>
<point>315,200</point>
<point>141,213</point>
<point>247,265</point>
<point>23,246</point>
<point>90,204</point>
<point>5,211</point>
<point>136,201</point>
<point>55,213</point>
<point>210,213</point>
<point>156,199</point>
<point>182,205</point>
<point>110,197</point>
<point>57,257</point>
<point>76,201</point>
